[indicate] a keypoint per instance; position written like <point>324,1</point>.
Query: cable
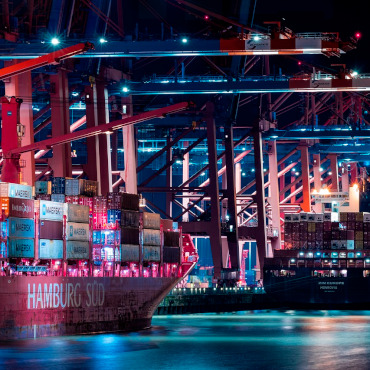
<point>254,11</point>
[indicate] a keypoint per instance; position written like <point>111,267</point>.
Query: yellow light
<point>324,191</point>
<point>314,191</point>
<point>355,186</point>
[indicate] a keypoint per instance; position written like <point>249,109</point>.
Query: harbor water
<point>243,340</point>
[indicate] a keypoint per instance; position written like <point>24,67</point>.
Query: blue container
<point>24,248</point>
<point>108,237</point>
<point>42,187</point>
<point>113,216</point>
<point>21,227</point>
<point>58,185</point>
<point>60,198</point>
<point>96,237</point>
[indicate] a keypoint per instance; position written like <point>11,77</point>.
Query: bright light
<point>75,94</point>
<point>256,38</point>
<point>354,73</point>
<point>125,89</point>
<point>206,17</point>
<point>355,186</point>
<point>330,173</point>
<point>324,191</point>
<point>202,174</point>
<point>54,41</point>
<point>358,35</point>
<point>321,169</point>
<point>102,40</point>
<point>297,173</point>
<point>184,40</point>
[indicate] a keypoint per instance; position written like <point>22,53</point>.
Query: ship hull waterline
<point>40,306</point>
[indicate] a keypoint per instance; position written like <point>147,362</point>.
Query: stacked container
<point>17,225</point>
<point>113,210</point>
<point>58,187</point>
<point>151,236</point>
<point>77,231</point>
<point>130,228</point>
<point>171,247</point>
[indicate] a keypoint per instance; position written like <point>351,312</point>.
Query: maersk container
<point>51,230</point>
<point>15,190</point>
<point>77,231</point>
<point>130,201</point>
<point>171,238</point>
<point>171,255</point>
<point>130,235</point>
<point>77,250</point>
<point>51,249</point>
<point>14,207</point>
<point>130,218</point>
<point>42,187</point>
<point>60,198</point>
<point>77,213</point>
<point>151,254</point>
<point>52,211</point>
<point>151,237</point>
<point>21,248</point>
<point>21,227</point>
<point>151,220</point>
<point>130,253</point>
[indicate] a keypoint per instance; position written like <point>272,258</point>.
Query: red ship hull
<point>49,306</point>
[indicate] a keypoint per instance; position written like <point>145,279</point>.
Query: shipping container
<point>171,238</point>
<point>21,248</point>
<point>130,253</point>
<point>130,235</point>
<point>43,197</point>
<point>21,227</point>
<point>151,220</point>
<point>14,207</point>
<point>113,216</point>
<point>167,224</point>
<point>43,187</point>
<point>72,199</point>
<point>91,188</point>
<point>96,237</point>
<point>151,254</point>
<point>15,190</point>
<point>109,237</point>
<point>151,237</point>
<point>51,249</point>
<point>77,213</point>
<point>74,186</point>
<point>58,185</point>
<point>77,250</point>
<point>171,255</point>
<point>52,211</point>
<point>130,218</point>
<point>60,198</point>
<point>51,230</point>
<point>77,231</point>
<point>130,201</point>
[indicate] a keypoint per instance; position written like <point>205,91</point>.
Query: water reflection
<point>259,340</point>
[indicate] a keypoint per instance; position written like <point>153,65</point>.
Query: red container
<point>14,207</point>
<point>51,230</point>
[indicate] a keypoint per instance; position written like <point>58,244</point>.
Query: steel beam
<point>305,162</point>
<point>334,171</point>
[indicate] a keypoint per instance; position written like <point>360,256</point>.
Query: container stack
<point>77,231</point>
<point>171,247</point>
<point>43,190</point>
<point>318,231</point>
<point>130,228</point>
<point>58,188</point>
<point>51,230</point>
<point>151,236</point>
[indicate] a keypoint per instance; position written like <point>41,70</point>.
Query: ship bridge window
<point>287,273</point>
<point>342,255</point>
<point>350,255</point>
<point>309,255</point>
<point>343,273</point>
<point>358,254</point>
<point>334,254</point>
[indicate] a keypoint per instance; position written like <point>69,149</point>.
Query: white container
<point>296,217</point>
<point>152,254</point>
<point>288,217</point>
<point>327,216</point>
<point>77,250</point>
<point>130,253</point>
<point>366,217</point>
<point>77,231</point>
<point>311,217</point>
<point>52,211</point>
<point>303,217</point>
<point>15,190</point>
<point>319,217</point>
<point>51,249</point>
<point>151,220</point>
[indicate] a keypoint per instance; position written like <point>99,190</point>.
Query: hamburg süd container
<point>130,253</point>
<point>51,249</point>
<point>151,220</point>
<point>77,231</point>
<point>21,227</point>
<point>151,254</point>
<point>21,248</point>
<point>77,213</point>
<point>151,237</point>
<point>130,218</point>
<point>77,250</point>
<point>51,230</point>
<point>52,211</point>
<point>14,207</point>
<point>15,190</point>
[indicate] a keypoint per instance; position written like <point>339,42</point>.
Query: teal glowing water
<point>290,340</point>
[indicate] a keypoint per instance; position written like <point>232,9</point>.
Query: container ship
<point>72,262</point>
<point>324,263</point>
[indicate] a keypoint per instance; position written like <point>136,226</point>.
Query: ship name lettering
<point>95,294</point>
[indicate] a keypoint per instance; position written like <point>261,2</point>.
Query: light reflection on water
<point>259,340</point>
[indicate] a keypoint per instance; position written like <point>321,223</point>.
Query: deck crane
<point>12,129</point>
